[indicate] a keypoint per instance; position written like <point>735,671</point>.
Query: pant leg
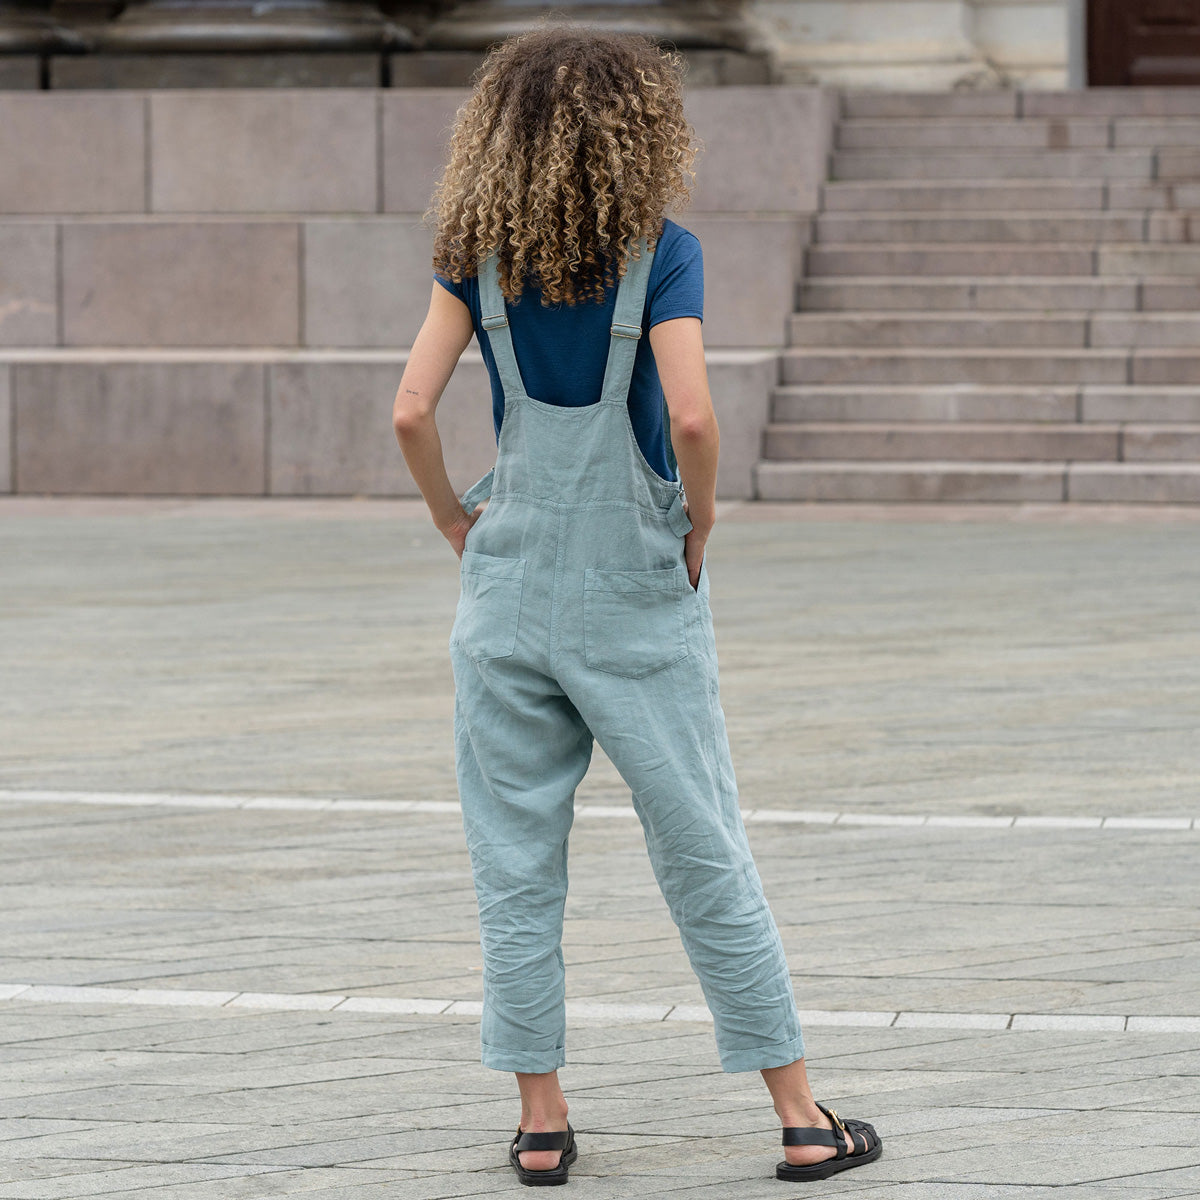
<point>666,735</point>
<point>521,749</point>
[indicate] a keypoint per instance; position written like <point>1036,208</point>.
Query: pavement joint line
<point>601,811</point>
<point>582,1010</point>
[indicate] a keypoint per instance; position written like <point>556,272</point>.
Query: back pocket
<point>633,621</point>
<point>489,605</point>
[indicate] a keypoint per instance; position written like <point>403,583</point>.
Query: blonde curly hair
<point>572,146</point>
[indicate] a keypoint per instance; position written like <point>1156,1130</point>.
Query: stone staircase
<point>1001,302</point>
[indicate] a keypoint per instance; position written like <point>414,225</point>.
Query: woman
<point>584,609</point>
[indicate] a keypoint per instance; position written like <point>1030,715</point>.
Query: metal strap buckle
<point>494,322</point>
<point>626,331</point>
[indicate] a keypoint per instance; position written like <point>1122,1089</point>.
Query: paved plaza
<point>239,952</point>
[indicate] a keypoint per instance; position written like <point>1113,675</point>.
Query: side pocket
<point>634,621</point>
<point>489,605</point>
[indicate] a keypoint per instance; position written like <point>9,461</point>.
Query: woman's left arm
<point>445,334</point>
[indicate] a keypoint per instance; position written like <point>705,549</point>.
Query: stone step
<point>1014,226</point>
<point>871,104</point>
<point>1134,483</point>
<point>1090,102</point>
<point>939,329</point>
<point>1108,259</point>
<point>1170,295</point>
<point>955,366</point>
<point>1032,133</point>
<point>891,482</point>
<point>995,366</point>
<point>1147,260</point>
<point>1165,366</point>
<point>1147,403</point>
<point>869,195</point>
<point>1118,404</point>
<point>1161,443</point>
<point>945,441</point>
<point>1165,330</point>
<point>1113,102</point>
<point>960,197</point>
<point>999,164</point>
<point>1015,294</point>
<point>1177,164</point>
<point>840,293</point>
<point>1156,194</point>
<point>1041,133</point>
<point>1001,302</point>
<point>1006,259</point>
<point>1138,132</point>
<point>998,329</point>
<point>930,402</point>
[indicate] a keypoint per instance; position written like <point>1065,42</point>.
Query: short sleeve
<point>679,291</point>
<point>455,289</point>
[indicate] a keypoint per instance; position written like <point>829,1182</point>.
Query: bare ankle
<point>800,1112</point>
<point>544,1117</point>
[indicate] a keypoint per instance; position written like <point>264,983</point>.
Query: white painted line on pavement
<point>465,1008</point>
<point>320,1001</point>
<point>756,816</point>
<point>1163,1024</point>
<point>1077,1021</point>
<point>580,1010</point>
<point>601,1010</point>
<point>393,1004</point>
<point>1059,822</point>
<point>1147,823</point>
<point>799,816</point>
<point>952,1020</point>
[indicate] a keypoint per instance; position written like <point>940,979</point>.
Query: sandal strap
<point>865,1131</point>
<point>805,1135</point>
<point>558,1139</point>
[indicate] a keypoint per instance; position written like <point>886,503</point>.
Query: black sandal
<point>867,1147</point>
<point>563,1140</point>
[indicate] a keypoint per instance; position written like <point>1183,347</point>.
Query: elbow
<point>407,421</point>
<point>694,429</point>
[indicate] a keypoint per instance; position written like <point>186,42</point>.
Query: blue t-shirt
<point>562,350</point>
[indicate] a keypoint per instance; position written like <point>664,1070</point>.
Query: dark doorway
<point>1143,42</point>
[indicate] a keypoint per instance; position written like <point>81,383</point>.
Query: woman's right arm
<point>679,356</point>
<point>445,334</point>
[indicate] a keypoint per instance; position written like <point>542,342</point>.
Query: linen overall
<point>576,620</point>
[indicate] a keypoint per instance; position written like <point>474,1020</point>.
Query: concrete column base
<point>197,26</point>
<point>26,27</point>
<point>700,24</point>
<point>915,45</point>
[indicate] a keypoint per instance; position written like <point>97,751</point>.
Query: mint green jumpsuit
<point>576,621</point>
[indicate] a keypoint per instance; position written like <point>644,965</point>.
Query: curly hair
<point>571,147</point>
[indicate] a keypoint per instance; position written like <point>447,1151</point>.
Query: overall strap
<point>495,321</point>
<point>627,325</point>
<point>625,334</point>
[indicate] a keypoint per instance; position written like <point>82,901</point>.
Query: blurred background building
<point>909,44</point>
<point>951,245</point>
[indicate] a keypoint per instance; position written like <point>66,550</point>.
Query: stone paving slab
<point>961,663</point>
<point>977,664</point>
<point>938,932</point>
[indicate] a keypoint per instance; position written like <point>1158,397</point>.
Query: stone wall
<point>212,291</point>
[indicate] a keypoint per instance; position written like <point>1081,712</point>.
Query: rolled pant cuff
<point>532,1062</point>
<point>774,1054</point>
